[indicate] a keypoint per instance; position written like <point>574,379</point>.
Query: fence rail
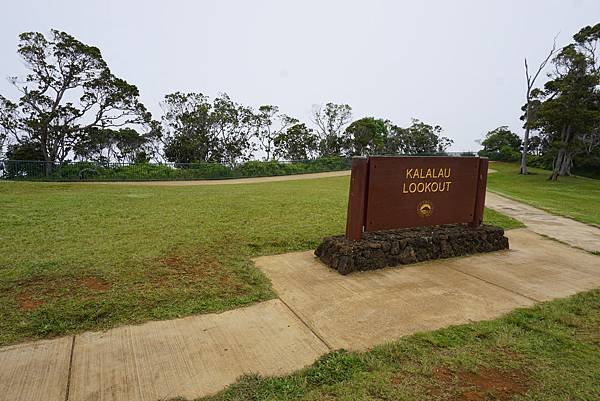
<point>35,170</point>
<point>28,170</point>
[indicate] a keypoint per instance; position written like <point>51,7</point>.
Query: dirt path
<point>233,181</point>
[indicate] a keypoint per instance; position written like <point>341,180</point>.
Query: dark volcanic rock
<point>410,245</point>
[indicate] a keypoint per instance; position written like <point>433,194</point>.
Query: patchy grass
<point>549,352</point>
<point>79,257</point>
<point>575,197</point>
<point>491,216</point>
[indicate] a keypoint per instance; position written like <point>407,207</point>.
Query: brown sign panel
<point>400,192</point>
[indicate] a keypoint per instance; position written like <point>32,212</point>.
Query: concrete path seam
<point>69,372</point>
<point>541,209</point>
<point>308,326</point>
<point>497,285</point>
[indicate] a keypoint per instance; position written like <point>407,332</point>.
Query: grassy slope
<point>574,197</point>
<point>79,257</point>
<point>549,352</point>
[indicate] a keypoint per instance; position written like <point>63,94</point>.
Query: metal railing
<point>35,170</point>
<point>28,170</point>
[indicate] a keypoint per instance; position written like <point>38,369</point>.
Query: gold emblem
<point>425,209</point>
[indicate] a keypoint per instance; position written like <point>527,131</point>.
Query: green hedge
<point>506,154</point>
<point>88,171</point>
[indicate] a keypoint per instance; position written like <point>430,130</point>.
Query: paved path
<point>317,311</point>
<point>187,357</point>
<point>361,310</point>
<point>569,231</point>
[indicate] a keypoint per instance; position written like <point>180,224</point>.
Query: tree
<point>8,121</point>
<point>330,122</point>
<point>234,128</point>
<point>531,78</point>
<point>186,128</point>
<point>297,143</point>
<point>418,138</point>
<point>366,136</point>
<point>196,130</point>
<point>266,132</point>
<point>535,146</point>
<point>570,102</point>
<point>25,151</point>
<point>501,144</point>
<point>131,145</point>
<point>394,137</point>
<point>68,91</point>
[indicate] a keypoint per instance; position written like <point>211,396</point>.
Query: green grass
<point>491,216</point>
<point>574,197</point>
<point>77,257</point>
<point>549,352</point>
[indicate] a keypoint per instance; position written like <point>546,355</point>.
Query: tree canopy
<point>72,107</point>
<point>366,136</point>
<point>567,110</point>
<point>68,94</point>
<point>501,144</point>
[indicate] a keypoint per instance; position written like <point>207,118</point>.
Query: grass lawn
<point>77,257</point>
<point>549,352</point>
<point>574,197</point>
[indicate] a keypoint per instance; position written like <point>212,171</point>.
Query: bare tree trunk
<point>523,169</point>
<point>530,83</point>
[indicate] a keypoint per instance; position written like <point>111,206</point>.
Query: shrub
<point>331,163</point>
<point>255,168</point>
<point>91,171</point>
<point>505,154</point>
<point>543,162</point>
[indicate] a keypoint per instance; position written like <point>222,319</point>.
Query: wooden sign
<point>400,192</point>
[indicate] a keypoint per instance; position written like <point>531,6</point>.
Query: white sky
<point>458,64</point>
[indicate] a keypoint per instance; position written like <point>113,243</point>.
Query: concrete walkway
<point>569,231</point>
<point>361,310</point>
<point>189,357</point>
<point>317,311</point>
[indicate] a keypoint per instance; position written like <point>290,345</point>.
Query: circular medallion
<point>425,209</point>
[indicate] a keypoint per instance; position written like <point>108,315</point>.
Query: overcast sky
<point>458,64</point>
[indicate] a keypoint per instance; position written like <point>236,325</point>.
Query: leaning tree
<point>68,92</point>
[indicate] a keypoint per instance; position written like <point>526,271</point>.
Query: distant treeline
<point>73,108</point>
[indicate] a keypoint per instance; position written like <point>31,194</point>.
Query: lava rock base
<point>409,245</point>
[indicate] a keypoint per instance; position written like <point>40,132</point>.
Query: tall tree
<point>69,89</point>
<point>9,126</point>
<point>270,124</point>
<point>186,128</point>
<point>366,136</point>
<point>330,121</point>
<point>234,128</point>
<point>297,143</point>
<point>418,138</point>
<point>531,77</point>
<point>195,129</point>
<point>501,144</point>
